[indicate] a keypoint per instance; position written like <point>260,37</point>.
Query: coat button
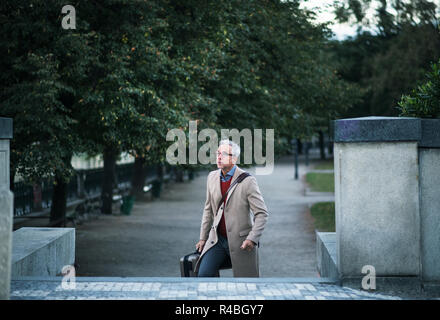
<point>212,242</point>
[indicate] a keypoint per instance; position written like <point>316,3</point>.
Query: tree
<point>42,66</point>
<point>391,62</point>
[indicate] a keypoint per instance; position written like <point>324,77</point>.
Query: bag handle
<point>240,178</point>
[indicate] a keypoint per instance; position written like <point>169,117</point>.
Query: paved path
<point>150,242</point>
<point>183,289</point>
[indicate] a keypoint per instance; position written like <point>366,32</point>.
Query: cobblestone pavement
<point>183,289</point>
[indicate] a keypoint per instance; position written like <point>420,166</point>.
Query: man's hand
<point>200,245</point>
<point>247,245</point>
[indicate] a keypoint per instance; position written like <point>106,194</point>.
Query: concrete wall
<point>377,206</point>
<point>430,212</point>
<point>42,251</point>
<point>6,209</point>
<point>387,200</point>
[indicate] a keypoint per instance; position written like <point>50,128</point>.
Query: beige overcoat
<point>245,217</point>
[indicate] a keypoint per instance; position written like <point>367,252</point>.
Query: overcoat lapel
<point>217,188</point>
<point>217,194</point>
<point>237,172</point>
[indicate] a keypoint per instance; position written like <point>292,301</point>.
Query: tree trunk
<point>59,202</point>
<point>158,183</point>
<point>139,175</point>
<point>321,145</point>
<point>160,173</point>
<point>330,148</point>
<point>11,179</point>
<point>108,180</point>
<point>179,174</point>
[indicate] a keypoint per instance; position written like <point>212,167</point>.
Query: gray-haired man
<point>229,236</point>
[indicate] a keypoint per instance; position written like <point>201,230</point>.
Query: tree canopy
<point>132,70</point>
<point>391,59</point>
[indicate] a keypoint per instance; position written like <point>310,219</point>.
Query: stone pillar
<point>377,197</point>
<point>6,208</point>
<point>429,162</point>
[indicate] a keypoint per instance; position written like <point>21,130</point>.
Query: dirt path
<point>150,241</point>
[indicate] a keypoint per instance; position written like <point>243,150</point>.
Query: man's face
<point>225,160</point>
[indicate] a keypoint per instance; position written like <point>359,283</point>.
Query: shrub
<point>424,101</point>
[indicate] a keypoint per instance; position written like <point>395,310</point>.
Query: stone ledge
<point>388,129</point>
<point>430,133</point>
<point>225,289</point>
<point>326,255</point>
<point>377,129</point>
<point>431,288</point>
<point>42,251</point>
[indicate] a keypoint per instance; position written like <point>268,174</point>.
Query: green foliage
<point>324,214</point>
<point>39,65</point>
<point>321,182</point>
<point>424,101</point>
<point>392,61</point>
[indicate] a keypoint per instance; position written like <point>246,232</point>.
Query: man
<point>229,236</point>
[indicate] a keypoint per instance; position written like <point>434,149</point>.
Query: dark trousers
<point>215,258</point>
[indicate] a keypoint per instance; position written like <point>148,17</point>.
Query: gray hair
<point>235,147</point>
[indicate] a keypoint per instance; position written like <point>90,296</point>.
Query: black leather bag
<point>188,264</point>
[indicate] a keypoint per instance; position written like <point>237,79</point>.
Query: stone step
<point>134,288</point>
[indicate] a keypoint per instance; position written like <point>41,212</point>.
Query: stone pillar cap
<point>388,129</point>
<point>5,128</point>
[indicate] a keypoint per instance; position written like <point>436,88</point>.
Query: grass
<point>325,165</point>
<point>324,214</point>
<point>321,182</point>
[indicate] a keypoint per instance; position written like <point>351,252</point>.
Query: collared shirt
<point>228,175</point>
